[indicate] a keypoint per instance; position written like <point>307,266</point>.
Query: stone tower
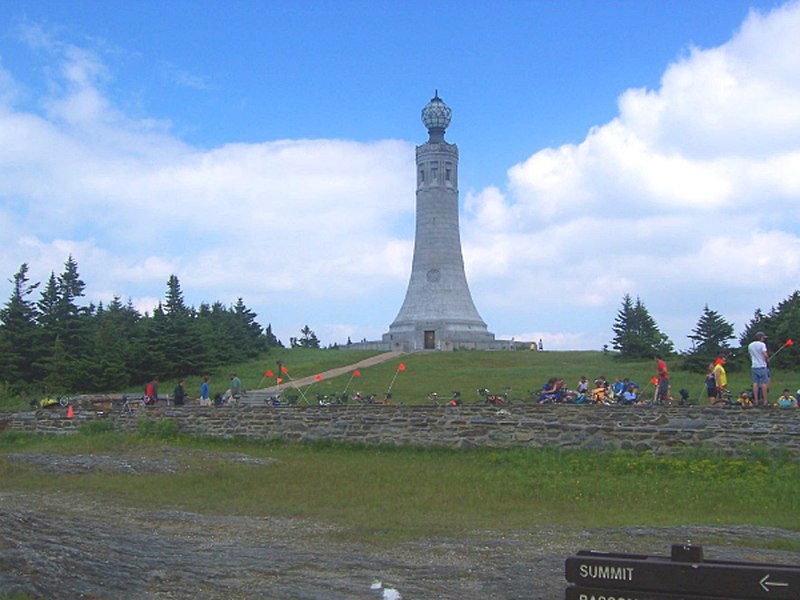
<point>438,311</point>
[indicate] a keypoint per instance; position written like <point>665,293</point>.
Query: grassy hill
<point>467,371</point>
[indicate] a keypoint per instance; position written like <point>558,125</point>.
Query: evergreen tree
<point>710,336</point>
<point>308,339</point>
<point>48,308</point>
<point>248,331</point>
<point>174,305</point>
<point>759,322</point>
<point>271,339</point>
<point>709,340</point>
<point>70,288</point>
<point>113,350</point>
<point>72,348</point>
<point>636,334</point>
<point>18,333</point>
<point>152,349</point>
<point>180,338</point>
<point>70,367</point>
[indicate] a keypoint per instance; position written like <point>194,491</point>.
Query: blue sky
<point>265,150</point>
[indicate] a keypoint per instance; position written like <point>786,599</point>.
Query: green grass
<point>466,371</point>
<point>387,494</point>
<point>522,371</point>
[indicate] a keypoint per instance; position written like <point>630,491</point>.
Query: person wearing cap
<point>760,372</point>
<point>720,379</point>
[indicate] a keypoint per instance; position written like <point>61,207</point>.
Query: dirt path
<point>259,394</point>
<point>63,545</point>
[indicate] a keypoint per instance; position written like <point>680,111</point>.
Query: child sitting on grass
<point>787,400</point>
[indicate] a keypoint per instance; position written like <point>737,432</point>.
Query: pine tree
<point>710,336</point>
<point>113,360</point>
<point>248,331</point>
<point>174,306</point>
<point>69,366</point>
<point>18,332</point>
<point>308,338</point>
<point>182,344</point>
<point>271,338</point>
<point>636,334</point>
<point>709,340</point>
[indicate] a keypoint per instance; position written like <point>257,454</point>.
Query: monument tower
<point>438,311</point>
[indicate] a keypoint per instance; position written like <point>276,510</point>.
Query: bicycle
<point>494,399</point>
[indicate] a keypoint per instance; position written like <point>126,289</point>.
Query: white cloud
<point>690,196</point>
<point>278,223</point>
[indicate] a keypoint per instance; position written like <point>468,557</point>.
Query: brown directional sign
<point>578,592</point>
<point>701,578</point>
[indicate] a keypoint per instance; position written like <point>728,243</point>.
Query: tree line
<point>53,344</point>
<point>637,335</point>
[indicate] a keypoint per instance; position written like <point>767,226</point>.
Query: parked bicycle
<point>488,397</point>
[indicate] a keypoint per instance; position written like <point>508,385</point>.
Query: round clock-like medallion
<point>433,275</point>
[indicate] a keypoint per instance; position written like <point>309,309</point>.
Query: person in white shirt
<point>759,369</point>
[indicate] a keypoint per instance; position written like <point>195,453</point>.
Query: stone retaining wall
<point>657,430</point>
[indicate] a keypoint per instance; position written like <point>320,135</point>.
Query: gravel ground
<point>56,546</point>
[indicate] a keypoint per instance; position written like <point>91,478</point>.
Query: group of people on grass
<point>627,392</point>
<point>623,391</point>
<point>600,391</point>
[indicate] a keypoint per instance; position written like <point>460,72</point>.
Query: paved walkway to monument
<point>258,396</point>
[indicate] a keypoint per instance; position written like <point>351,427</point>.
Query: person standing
<point>236,387</point>
<point>179,394</point>
<point>759,370</point>
<point>662,384</point>
<point>711,385</point>
<point>151,392</point>
<point>205,400</point>
<point>720,379</point>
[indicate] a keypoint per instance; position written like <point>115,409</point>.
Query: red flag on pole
<point>278,379</point>
<point>269,373</point>
<point>318,378</point>
<point>789,342</point>
<point>356,373</point>
<point>284,369</point>
<point>654,381</point>
<point>401,367</point>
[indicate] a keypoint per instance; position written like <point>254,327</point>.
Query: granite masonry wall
<point>658,430</point>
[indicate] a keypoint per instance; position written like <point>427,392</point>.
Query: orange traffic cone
<point>70,412</point>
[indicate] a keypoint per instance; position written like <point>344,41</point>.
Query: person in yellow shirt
<point>787,400</point>
<point>720,379</point>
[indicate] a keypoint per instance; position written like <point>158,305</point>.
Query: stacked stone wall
<point>658,430</point>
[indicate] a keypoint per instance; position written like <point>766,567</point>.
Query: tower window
<point>448,172</point>
<point>422,175</point>
<point>434,171</point>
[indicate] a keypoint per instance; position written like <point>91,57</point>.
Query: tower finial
<point>436,117</point>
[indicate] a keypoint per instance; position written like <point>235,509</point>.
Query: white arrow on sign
<point>768,584</point>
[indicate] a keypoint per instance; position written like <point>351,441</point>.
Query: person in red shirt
<point>151,392</point>
<point>662,386</point>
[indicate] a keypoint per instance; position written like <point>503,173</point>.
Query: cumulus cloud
<point>274,222</point>
<point>689,196</point>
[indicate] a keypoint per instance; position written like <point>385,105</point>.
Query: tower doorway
<point>430,339</point>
